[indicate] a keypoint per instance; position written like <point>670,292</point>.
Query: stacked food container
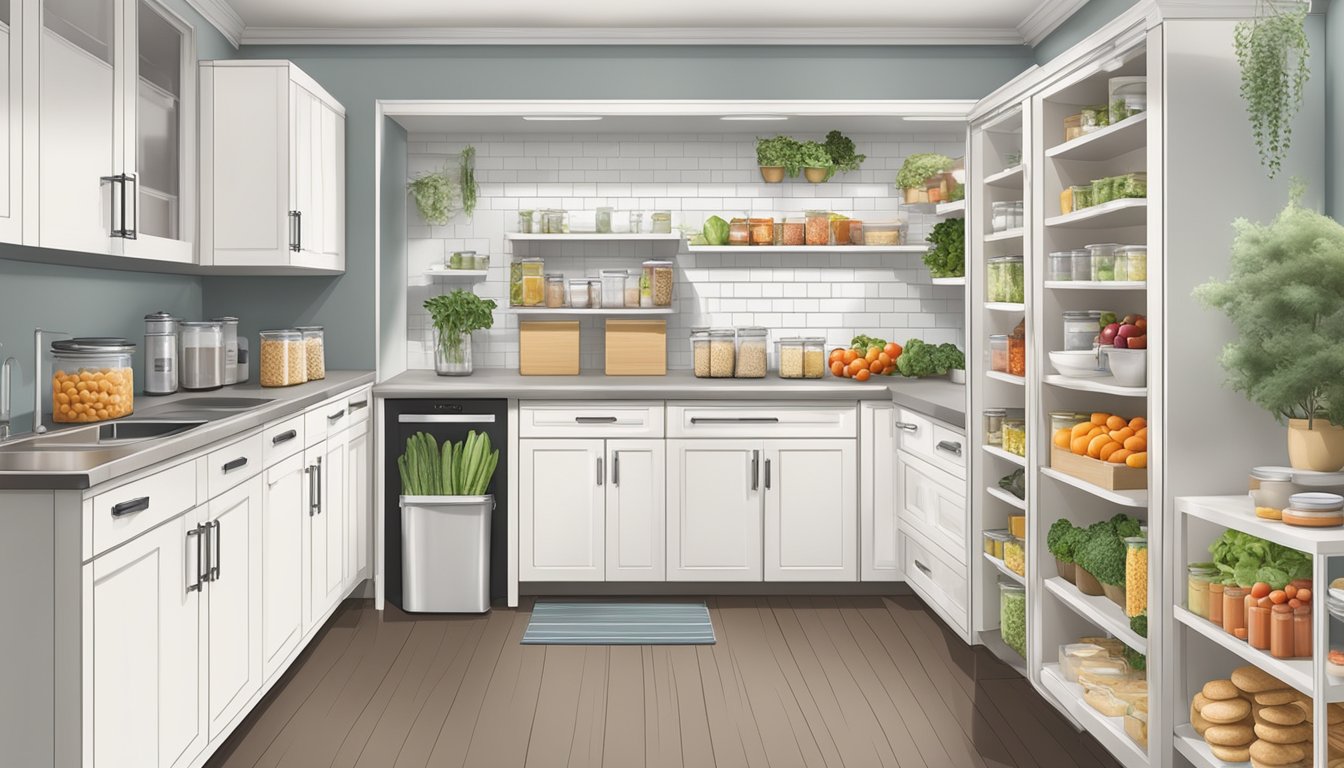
<point>531,286</point>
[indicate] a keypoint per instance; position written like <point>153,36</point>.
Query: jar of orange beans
<point>92,380</point>
<point>818,228</point>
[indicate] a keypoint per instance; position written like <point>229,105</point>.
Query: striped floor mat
<point>556,622</point>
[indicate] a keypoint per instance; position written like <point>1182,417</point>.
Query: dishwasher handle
<point>446,418</point>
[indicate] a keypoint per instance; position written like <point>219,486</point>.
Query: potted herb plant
<point>843,157</point>
<point>917,170</point>
<point>946,256</point>
<point>1285,297</point>
<point>455,315</point>
<point>1273,53</point>
<point>776,157</point>
<point>433,195</point>
<point>1063,540</point>
<point>1100,560</point>
<point>815,160</point>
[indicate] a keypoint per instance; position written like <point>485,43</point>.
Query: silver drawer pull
<point>446,418</point>
<point>601,472</point>
<point>923,568</point>
<point>950,447</point>
<point>595,419</point>
<point>336,416</point>
<point>359,405</point>
<point>907,426</point>
<point>734,419</point>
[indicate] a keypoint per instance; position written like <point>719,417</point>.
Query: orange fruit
<point>862,375</point>
<point>1137,423</point>
<point>1137,460</point>
<point>859,364</point>
<point>872,354</point>
<point>1115,422</point>
<point>851,355</point>
<point>837,354</point>
<point>1095,444</point>
<point>1079,445</point>
<point>1136,444</point>
<point>1081,429</point>
<point>1062,438</point>
<point>1119,456</point>
<point>876,367</point>
<point>1122,434</point>
<point>884,359</point>
<point>1099,419</point>
<point>1108,449</point>
<point>837,368</point>
<point>1093,432</point>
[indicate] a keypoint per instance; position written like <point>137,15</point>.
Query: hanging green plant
<point>1274,53</point>
<point>433,194</point>
<point>946,256</point>
<point>466,166</point>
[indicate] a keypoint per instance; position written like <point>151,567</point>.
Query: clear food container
<point>1095,118</point>
<point>762,231</point>
<point>817,228</point>
<point>284,359</point>
<point>519,270</point>
<point>722,353</point>
<point>462,260</point>
<point>1082,265</point>
<point>578,293</point>
<point>994,425</point>
<point>636,222</point>
<point>789,357</point>
<point>1007,282</point>
<point>840,229</point>
<point>604,220</point>
<point>998,353</point>
<point>739,232</point>
<point>1103,261</point>
<point>1136,575</point>
<point>1061,266</point>
<point>229,327</point>
<point>855,232</point>
<point>93,379</point>
<point>1073,127</point>
<point>1130,185</point>
<point>883,233</point>
<point>1135,258</point>
<point>1015,555</point>
<point>1072,656</point>
<point>1080,329</point>
<point>700,352</point>
<point>1271,490</point>
<point>201,362</point>
<point>525,222</point>
<point>658,277</point>
<point>313,344</point>
<point>555,291</point>
<point>553,222</point>
<point>1066,420</point>
<point>1017,525</point>
<point>793,231</point>
<point>1129,97</point>
<point>1082,197</point>
<point>752,358</point>
<point>1015,436</point>
<point>1001,217</point>
<point>1017,355</point>
<point>994,540</point>
<point>632,289</point>
<point>1013,616</point>
<point>595,293</point>
<point>613,287</point>
<point>814,357</point>
<point>660,222</point>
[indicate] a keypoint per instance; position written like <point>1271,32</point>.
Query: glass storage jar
<point>994,425</point>
<point>722,353</point>
<point>1012,288</point>
<point>595,293</point>
<point>1017,356</point>
<point>1015,435</point>
<point>229,326</point>
<point>555,291</point>
<point>660,222</point>
<point>525,222</point>
<point>762,231</point>
<point>613,287</point>
<point>1272,489</point>
<point>658,275</point>
<point>1257,626</point>
<point>839,229</point>
<point>1197,579</point>
<point>1081,327</point>
<point>462,260</point>
<point>994,541</point>
<point>632,289</point>
<point>1135,258</point>
<point>1129,97</point>
<point>578,293</point>
<point>604,220</point>
<point>739,232</point>
<point>1013,616</point>
<point>1015,555</point>
<point>1095,118</point>
<point>793,231</point>
<point>1082,265</point>
<point>855,233</point>
<point>814,357</point>
<point>700,352</point>
<point>1061,266</point>
<point>751,353</point>
<point>554,222</point>
<point>1216,602</point>
<point>1281,637</point>
<point>1019,215</point>
<point>1234,609</point>
<point>313,342</point>
<point>817,228</point>
<point>519,272</point>
<point>93,379</point>
<point>1136,575</point>
<point>1001,216</point>
<point>789,357</point>
<point>1103,261</point>
<point>636,222</point>
<point>998,353</point>
<point>201,362</point>
<point>1082,197</point>
<point>883,233</point>
<point>284,360</point>
<point>1073,127</point>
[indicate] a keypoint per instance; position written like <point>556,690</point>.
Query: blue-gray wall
<point>359,75</point>
<point>1087,20</point>
<point>91,302</point>
<point>1333,55</point>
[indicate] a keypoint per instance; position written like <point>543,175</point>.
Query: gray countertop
<point>284,402</point>
<point>939,399</point>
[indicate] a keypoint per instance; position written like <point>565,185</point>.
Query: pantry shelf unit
<point>855,249</point>
<point>1137,499</point>
<point>1110,731</point>
<point>1099,611</point>
<point>1005,455</point>
<point>1295,672</point>
<point>1004,569</point>
<point>1102,384</point>
<point>1007,378</point>
<point>1006,235</point>
<point>1238,514</point>
<point>1109,142</point>
<point>594,236</point>
<point>993,640</point>
<point>949,281</point>
<point>1195,749</point>
<point>1130,212</point>
<point>950,209</point>
<point>590,312</point>
<point>1003,306</point>
<point>1006,497</point>
<point>1008,178</point>
<point>1096,285</point>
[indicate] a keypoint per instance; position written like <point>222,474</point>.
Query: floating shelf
<point>1003,306</point>
<point>948,209</point>
<point>993,640</point>
<point>961,281</point>
<point>1109,142</point>
<point>1295,672</point>
<point>1006,497</point>
<point>1238,513</point>
<point>1004,569</point>
<point>1129,212</point>
<point>1007,378</point>
<point>1008,177</point>
<point>1095,285</point>
<point>428,277</point>
<point>1138,499</point>
<point>581,236</point>
<point>1005,235</point>
<point>993,450</point>
<point>1100,611</point>
<point>1110,731</point>
<point>1103,384</point>
<point>805,248</point>
<point>571,311</point>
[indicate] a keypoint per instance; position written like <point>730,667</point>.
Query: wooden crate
<point>1112,477</point>
<point>548,348</point>
<point>636,347</point>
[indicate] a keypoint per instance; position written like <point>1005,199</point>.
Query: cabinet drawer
<point>282,439</point>
<point>329,417</point>
<point>737,420</point>
<point>940,583</point>
<point>121,514</point>
<point>932,441</point>
<point>570,419</point>
<point>234,463</point>
<point>357,407</point>
<point>934,503</point>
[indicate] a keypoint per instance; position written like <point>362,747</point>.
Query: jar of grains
<point>762,231</point>
<point>814,357</point>
<point>632,289</point>
<point>789,354</point>
<point>751,352</point>
<point>93,379</point>
<point>818,228</point>
<point>793,231</point>
<point>284,359</point>
<point>555,291</point>
<point>722,353</point>
<point>658,274</point>
<point>739,232</point>
<point>313,349</point>
<point>700,352</point>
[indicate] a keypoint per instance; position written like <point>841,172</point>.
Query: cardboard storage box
<point>1112,477</point>
<point>636,347</point>
<point>548,348</point>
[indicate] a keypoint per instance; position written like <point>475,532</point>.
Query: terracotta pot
<point>1066,571</point>
<point>773,174</point>
<point>1086,582</point>
<point>815,175</point>
<point>916,195</point>
<point>1319,448</point>
<point>1114,594</point>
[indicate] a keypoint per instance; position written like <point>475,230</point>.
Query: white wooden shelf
<point>1004,569</point>
<point>1104,384</point>
<point>993,640</point>
<point>579,236</point>
<point>1099,610</point>
<point>994,450</point>
<point>1129,212</point>
<point>1195,749</point>
<point>1096,285</point>
<point>429,277</point>
<point>961,281</point>
<point>806,248</point>
<point>948,209</point>
<point>1007,378</point>
<point>535,311</point>
<point>1107,143</point>
<point>1004,306</point>
<point>1010,178</point>
<point>1110,731</point>
<point>1238,513</point>
<point>1138,499</point>
<point>1007,234</point>
<point>1295,672</point>
<point>1006,497</point>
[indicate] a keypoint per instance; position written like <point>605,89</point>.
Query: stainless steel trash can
<point>445,553</point>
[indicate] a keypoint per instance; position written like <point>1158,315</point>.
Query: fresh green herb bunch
<point>1273,52</point>
<point>1063,539</point>
<point>1102,554</point>
<point>919,168</point>
<point>780,151</point>
<point>813,154</point>
<point>433,194</point>
<point>466,169</point>
<point>456,314</point>
<point>841,149</point>
<point>1139,624</point>
<point>946,256</point>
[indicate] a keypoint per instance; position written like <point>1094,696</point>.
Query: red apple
<point>1109,333</point>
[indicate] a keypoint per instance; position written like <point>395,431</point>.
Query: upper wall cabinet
<point>114,131</point>
<point>11,120</point>
<point>272,170</point>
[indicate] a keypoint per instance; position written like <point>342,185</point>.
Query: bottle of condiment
<point>1302,631</point>
<point>1234,609</point>
<point>1198,577</point>
<point>1257,627</point>
<point>1215,602</point>
<point>1281,639</point>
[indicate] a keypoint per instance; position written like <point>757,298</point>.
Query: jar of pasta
<point>284,359</point>
<point>313,351</point>
<point>93,379</point>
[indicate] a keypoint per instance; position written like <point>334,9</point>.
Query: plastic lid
<point>1272,473</point>
<point>722,332</point>
<point>1010,586</point>
<point>753,331</point>
<point>1316,502</point>
<point>228,319</point>
<point>657,263</point>
<point>995,411</point>
<point>307,328</point>
<point>998,535</point>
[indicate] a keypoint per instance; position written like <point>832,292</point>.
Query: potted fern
<point>776,157</point>
<point>1273,53</point>
<point>455,315</point>
<point>1285,297</point>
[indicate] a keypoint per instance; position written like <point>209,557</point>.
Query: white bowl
<point>1129,366</point>
<point>1078,365</point>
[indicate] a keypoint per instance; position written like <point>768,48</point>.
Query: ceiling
<point>892,22</point>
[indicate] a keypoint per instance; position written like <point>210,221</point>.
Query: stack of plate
<point>1334,599</point>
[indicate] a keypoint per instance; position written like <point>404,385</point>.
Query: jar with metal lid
<point>722,353</point>
<point>555,290</point>
<point>230,328</point>
<point>994,425</point>
<point>1080,329</point>
<point>578,293</point>
<point>313,345</point>
<point>160,354</point>
<point>284,359</point>
<point>751,353</point>
<point>700,352</point>
<point>658,275</point>
<point>789,357</point>
<point>93,379</point>
<point>202,356</point>
<point>660,222</point>
<point>613,287</point>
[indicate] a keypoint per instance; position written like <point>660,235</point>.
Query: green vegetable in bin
<point>455,469</point>
<point>715,231</point>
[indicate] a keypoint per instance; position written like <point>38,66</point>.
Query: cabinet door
<point>12,36</point>
<point>332,202</point>
<point>714,510</point>
<point>811,510</point>
<point>636,510</point>
<point>233,603</point>
<point>149,706</point>
<point>358,503</point>
<point>284,512</point>
<point>932,501</point>
<point>878,555</point>
<point>328,574</point>
<point>77,111</point>
<point>305,186</point>
<point>561,510</point>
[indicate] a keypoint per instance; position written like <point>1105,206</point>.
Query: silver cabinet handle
<point>199,533</point>
<point>362,404</point>
<point>446,418</point>
<point>950,446</point>
<point>755,470</point>
<point>336,416</point>
<point>734,419</point>
<point>319,484</point>
<point>616,468</point>
<point>595,419</point>
<point>767,474</point>
<point>907,426</point>
<point>923,568</point>
<point>217,539</point>
<point>600,470</point>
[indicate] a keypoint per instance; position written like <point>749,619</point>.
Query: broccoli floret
<point>1139,624</point>
<point>1060,540</point>
<point>1103,555</point>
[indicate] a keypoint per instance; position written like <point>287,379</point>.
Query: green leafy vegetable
<point>1015,483</point>
<point>462,469</point>
<point>1062,540</point>
<point>841,150</point>
<point>433,194</point>
<point>866,342</point>
<point>780,151</point>
<point>1102,554</point>
<point>946,256</point>
<point>715,231</point>
<point>1139,624</point>
<point>1243,559</point>
<point>813,154</point>
<point>456,314</point>
<point>919,359</point>
<point>1137,661</point>
<point>466,169</point>
<point>919,168</point>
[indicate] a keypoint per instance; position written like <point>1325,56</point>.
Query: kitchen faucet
<point>6,395</point>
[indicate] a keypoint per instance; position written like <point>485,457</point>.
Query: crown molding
<point>847,36</point>
<point>222,17</point>
<point>949,109</point>
<point>1046,18</point>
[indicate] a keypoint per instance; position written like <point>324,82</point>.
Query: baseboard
<point>684,588</point>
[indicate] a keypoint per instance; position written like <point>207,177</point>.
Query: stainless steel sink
<point>95,438</point>
<point>66,460</point>
<point>118,432</point>
<point>224,403</point>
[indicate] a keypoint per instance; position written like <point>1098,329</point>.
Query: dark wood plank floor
<point>792,681</point>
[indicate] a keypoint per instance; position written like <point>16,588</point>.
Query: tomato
<point>851,355</point>
<point>862,375</point>
<point>893,350</point>
<point>876,368</point>
<point>837,368</point>
<point>1260,590</point>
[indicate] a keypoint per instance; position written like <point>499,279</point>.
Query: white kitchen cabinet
<point>114,135</point>
<point>934,502</point>
<point>12,115</point>
<point>636,510</point>
<point>359,501</point>
<point>714,510</point>
<point>561,510</point>
<point>233,602</point>
<point>272,170</point>
<point>147,652</point>
<point>879,558</point>
<point>811,510</point>
<point>283,553</point>
<point>324,543</point>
